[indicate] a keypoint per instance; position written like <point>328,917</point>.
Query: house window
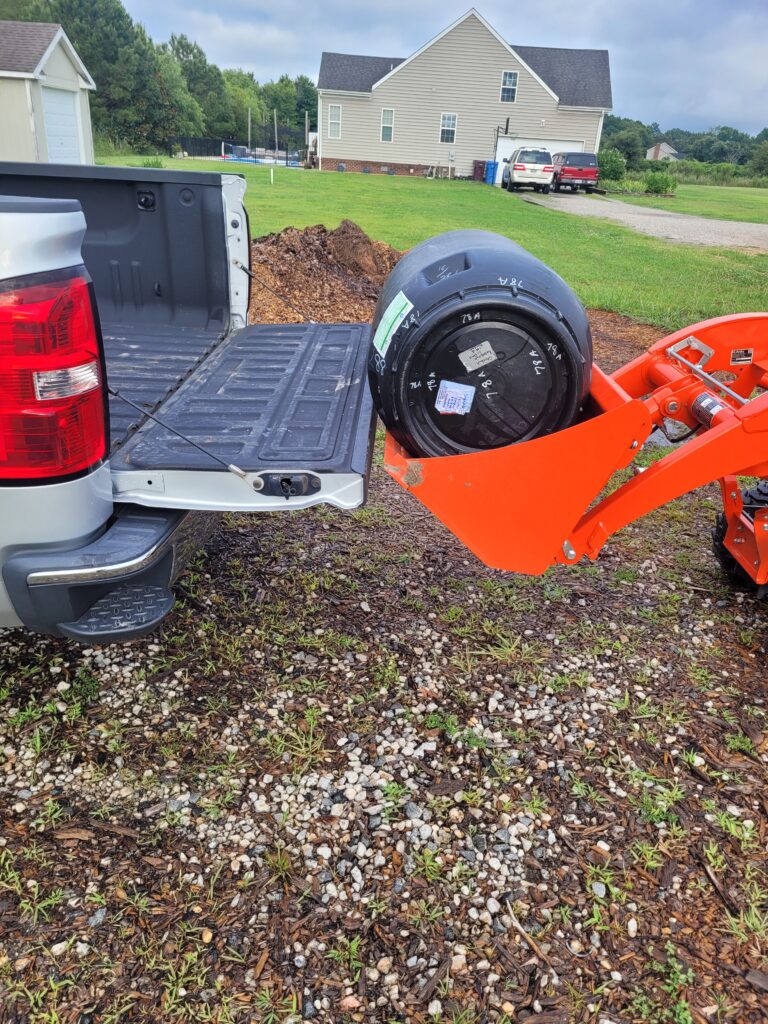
<point>387,124</point>
<point>334,121</point>
<point>508,86</point>
<point>448,128</point>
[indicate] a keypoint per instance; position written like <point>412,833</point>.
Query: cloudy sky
<point>684,63</point>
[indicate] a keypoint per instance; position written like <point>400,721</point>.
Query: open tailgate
<point>288,405</point>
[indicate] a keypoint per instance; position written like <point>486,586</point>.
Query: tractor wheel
<point>754,498</point>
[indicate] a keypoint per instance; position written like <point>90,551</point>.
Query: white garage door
<point>506,146</point>
<point>61,128</point>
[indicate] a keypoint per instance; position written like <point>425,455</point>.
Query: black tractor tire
<point>445,320</point>
<point>754,498</point>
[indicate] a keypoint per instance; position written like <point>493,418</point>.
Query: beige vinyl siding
<point>17,138</point>
<point>460,73</point>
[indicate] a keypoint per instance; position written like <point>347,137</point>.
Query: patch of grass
<point>447,723</point>
<point>646,854</point>
<point>274,1009</point>
<point>427,865</point>
<point>394,798</point>
<point>718,201</point>
<point>346,953</point>
<point>714,856</point>
<point>278,861</point>
<point>673,980</point>
<point>744,834</point>
<point>304,742</point>
<point>609,266</point>
<point>739,743</point>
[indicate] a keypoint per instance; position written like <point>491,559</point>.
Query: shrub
<point>612,164</point>
<point>154,161</point>
<point>625,185</point>
<point>659,182</point>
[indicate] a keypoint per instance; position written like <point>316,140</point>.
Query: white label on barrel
<point>454,398</point>
<point>479,355</point>
<point>394,314</point>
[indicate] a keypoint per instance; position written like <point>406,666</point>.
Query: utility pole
<point>306,128</point>
<point>249,130</point>
<point>276,146</point>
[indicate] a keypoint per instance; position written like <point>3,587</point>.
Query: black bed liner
<point>290,396</point>
<point>147,364</point>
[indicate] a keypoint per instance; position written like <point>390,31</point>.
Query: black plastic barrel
<point>476,344</point>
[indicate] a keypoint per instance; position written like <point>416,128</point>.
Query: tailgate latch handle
<point>289,485</point>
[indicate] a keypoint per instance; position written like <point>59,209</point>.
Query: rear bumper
<point>531,178</point>
<point>137,558</point>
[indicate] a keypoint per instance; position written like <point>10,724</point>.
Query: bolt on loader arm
<point>709,378</point>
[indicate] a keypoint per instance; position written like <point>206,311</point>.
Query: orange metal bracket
<point>524,507</point>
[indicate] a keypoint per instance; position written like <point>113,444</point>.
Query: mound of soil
<point>327,275</point>
<point>335,276</point>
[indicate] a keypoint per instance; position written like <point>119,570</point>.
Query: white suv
<point>528,166</point>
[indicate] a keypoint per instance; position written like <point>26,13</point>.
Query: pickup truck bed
<point>162,249</point>
<point>264,417</point>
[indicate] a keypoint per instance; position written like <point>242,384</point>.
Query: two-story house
<point>466,95</point>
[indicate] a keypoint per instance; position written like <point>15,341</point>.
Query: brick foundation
<point>377,167</point>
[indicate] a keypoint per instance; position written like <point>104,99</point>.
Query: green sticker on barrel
<point>394,314</point>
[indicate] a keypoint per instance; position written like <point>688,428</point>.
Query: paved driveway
<point>674,227</point>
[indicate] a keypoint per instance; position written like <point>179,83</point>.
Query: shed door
<point>62,131</point>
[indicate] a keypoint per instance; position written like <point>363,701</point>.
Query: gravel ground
<point>666,224</point>
<point>359,777</point>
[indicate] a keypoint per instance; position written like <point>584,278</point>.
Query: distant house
<point>44,109</point>
<point>662,151</point>
<point>466,95</point>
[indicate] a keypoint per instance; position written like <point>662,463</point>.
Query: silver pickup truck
<point>135,401</point>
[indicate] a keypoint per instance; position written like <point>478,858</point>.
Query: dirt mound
<point>335,276</point>
<point>327,275</point>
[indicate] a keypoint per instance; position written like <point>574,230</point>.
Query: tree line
<point>721,145</point>
<point>148,93</point>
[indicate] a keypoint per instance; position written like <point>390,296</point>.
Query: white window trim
<point>502,87</point>
<point>331,121</point>
<point>383,126</point>
<point>448,113</point>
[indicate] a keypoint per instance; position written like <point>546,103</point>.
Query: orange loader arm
<point>709,377</point>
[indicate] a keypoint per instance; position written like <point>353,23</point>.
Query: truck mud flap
<point>275,416</point>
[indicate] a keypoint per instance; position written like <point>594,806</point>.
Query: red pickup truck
<point>577,170</point>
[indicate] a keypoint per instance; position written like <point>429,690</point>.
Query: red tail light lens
<point>518,167</point>
<point>549,167</point>
<point>52,417</point>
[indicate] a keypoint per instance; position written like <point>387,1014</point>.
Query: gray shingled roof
<point>23,43</point>
<point>352,73</point>
<point>579,78</point>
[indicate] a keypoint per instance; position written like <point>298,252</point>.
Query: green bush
<point>612,164</point>
<point>658,182</point>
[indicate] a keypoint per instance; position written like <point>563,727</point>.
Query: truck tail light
<point>548,168</point>
<point>52,397</point>
<point>518,167</point>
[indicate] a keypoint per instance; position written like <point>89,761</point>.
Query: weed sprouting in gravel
<point>346,953</point>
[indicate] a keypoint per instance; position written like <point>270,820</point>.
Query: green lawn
<point>610,267</point>
<point>719,201</point>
